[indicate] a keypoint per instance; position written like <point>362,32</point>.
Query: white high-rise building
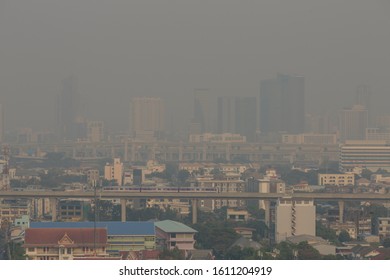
<point>294,217</point>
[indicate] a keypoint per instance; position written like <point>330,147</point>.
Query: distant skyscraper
<point>69,110</point>
<point>237,115</point>
<point>363,96</point>
<point>226,114</point>
<point>1,123</point>
<point>245,117</point>
<point>353,123</point>
<point>147,116</point>
<point>202,110</point>
<point>282,104</point>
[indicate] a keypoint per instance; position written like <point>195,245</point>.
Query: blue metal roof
<point>113,228</point>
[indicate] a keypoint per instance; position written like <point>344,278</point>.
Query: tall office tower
<point>246,117</point>
<point>69,110</point>
<point>202,110</point>
<point>294,218</point>
<point>282,104</point>
<point>1,123</point>
<point>363,95</point>
<point>226,114</point>
<point>353,123</point>
<point>147,117</point>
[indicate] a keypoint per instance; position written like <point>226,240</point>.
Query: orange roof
<point>69,237</point>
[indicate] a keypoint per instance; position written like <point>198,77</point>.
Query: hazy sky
<point>119,49</point>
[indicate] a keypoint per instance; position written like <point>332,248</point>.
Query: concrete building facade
<point>294,218</point>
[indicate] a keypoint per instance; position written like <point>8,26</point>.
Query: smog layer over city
<point>196,130</point>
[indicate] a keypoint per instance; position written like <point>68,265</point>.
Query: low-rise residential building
<point>122,236</point>
<point>384,227</point>
<point>64,243</point>
<point>238,215</point>
<point>171,234</point>
<point>336,179</point>
<point>12,211</point>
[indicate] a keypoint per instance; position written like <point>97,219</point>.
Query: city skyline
<point>129,49</point>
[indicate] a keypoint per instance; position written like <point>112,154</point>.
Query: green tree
<point>344,236</point>
<point>307,252</point>
<point>326,233</point>
<point>174,254</point>
<point>386,243</point>
<point>183,176</point>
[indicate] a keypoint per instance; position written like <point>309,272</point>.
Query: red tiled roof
<point>149,254</point>
<point>52,236</point>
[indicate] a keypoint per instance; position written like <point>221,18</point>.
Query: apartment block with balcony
<point>336,180</point>
<point>171,234</point>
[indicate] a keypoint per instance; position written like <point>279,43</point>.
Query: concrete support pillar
<point>267,212</point>
<point>194,203</point>
<point>123,210</point>
<point>341,211</point>
<point>53,206</point>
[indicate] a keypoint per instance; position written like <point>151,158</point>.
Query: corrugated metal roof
<point>113,228</point>
<point>174,227</point>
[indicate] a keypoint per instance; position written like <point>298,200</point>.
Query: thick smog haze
<point>122,49</point>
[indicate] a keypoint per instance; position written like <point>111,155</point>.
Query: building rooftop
<point>174,227</point>
<point>113,228</point>
<point>72,236</point>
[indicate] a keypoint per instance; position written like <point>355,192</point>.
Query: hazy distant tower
<point>353,123</point>
<point>282,104</point>
<point>1,123</point>
<point>363,96</point>
<point>147,116</point>
<point>202,110</point>
<point>69,109</point>
<point>245,117</point>
<point>226,114</point>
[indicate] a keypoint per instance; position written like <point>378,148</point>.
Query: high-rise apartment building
<point>69,110</point>
<point>282,104</point>
<point>114,171</point>
<point>353,123</point>
<point>294,217</point>
<point>147,116</point>
<point>202,111</point>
